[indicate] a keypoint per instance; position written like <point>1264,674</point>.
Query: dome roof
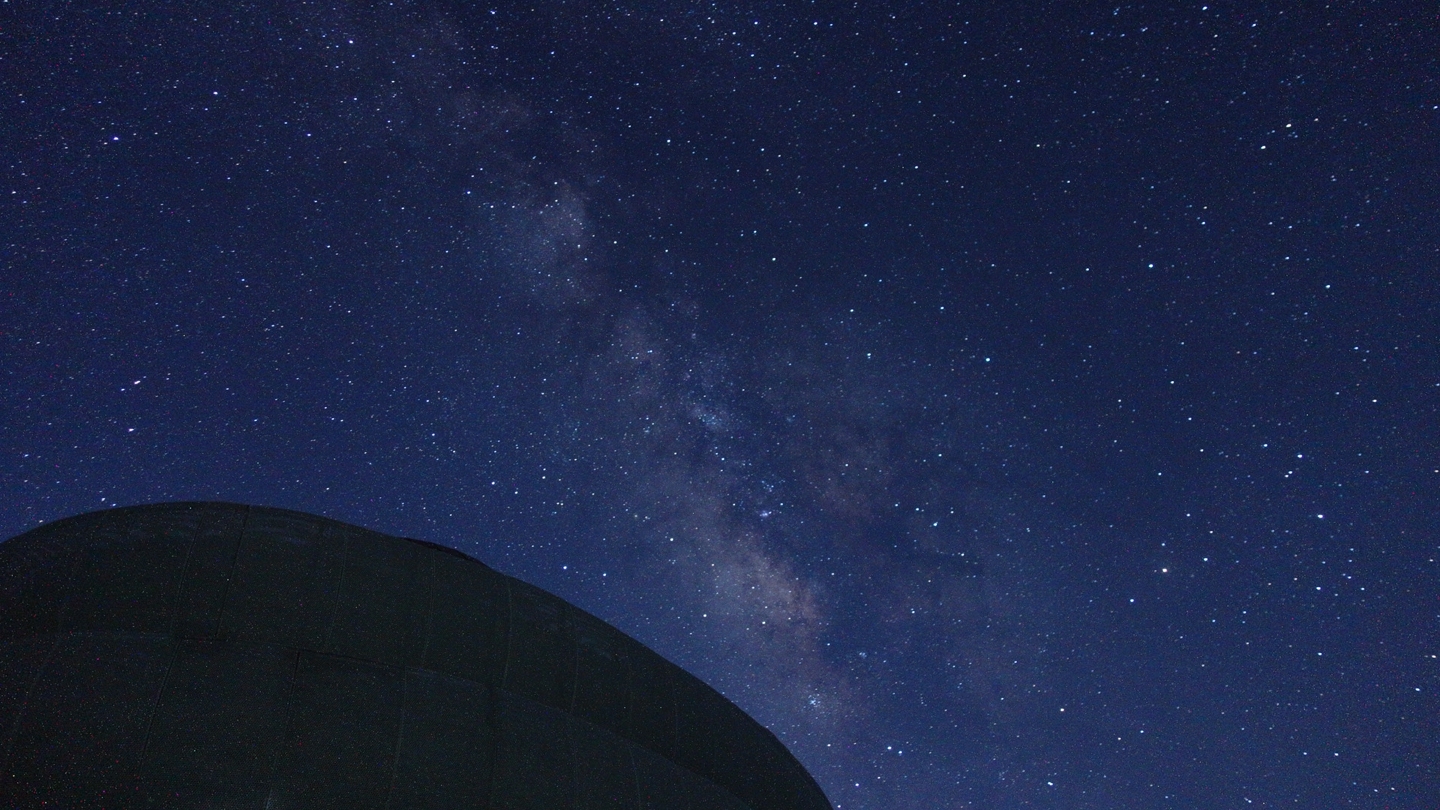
<point>219,655</point>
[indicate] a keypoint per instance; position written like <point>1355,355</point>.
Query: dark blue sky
<point>1010,405</point>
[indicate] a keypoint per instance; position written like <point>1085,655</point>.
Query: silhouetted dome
<point>214,655</point>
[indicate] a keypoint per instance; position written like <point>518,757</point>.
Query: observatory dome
<point>214,655</point>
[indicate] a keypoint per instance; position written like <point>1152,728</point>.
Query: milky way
<point>1007,407</point>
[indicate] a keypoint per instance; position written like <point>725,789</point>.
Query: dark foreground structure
<point>208,655</point>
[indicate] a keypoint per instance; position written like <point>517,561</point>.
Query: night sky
<point>1010,405</point>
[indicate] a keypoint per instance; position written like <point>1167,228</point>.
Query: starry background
<point>1010,405</point>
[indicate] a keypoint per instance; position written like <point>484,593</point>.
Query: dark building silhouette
<point>208,655</point>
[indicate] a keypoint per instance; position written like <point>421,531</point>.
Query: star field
<point>1009,406</point>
